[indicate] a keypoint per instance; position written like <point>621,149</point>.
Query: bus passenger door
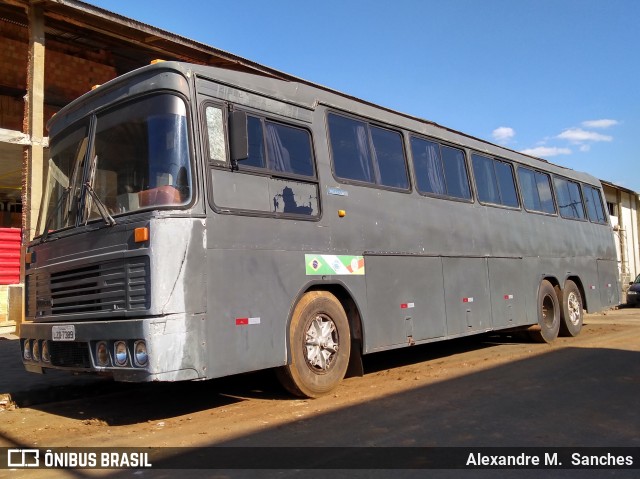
<point>405,300</point>
<point>466,290</point>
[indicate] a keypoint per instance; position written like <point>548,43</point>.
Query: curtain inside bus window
<point>388,155</point>
<point>364,158</point>
<point>349,147</point>
<point>485,179</point>
<point>278,155</point>
<point>428,166</point>
<point>289,149</point>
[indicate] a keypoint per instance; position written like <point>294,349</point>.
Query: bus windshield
<point>139,160</point>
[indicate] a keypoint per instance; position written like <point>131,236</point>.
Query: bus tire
<point>548,314</point>
<point>571,312</point>
<point>320,343</point>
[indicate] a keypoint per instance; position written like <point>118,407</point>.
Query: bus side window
<point>368,153</point>
<point>594,204</point>
<point>569,199</point>
<point>455,172</point>
<point>256,144</point>
<point>495,182</point>
<point>389,154</point>
<point>440,169</point>
<point>536,191</point>
<point>349,145</point>
<point>427,162</point>
<point>215,134</point>
<point>289,149</point>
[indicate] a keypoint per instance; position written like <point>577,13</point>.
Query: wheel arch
<point>354,316</point>
<point>551,279</point>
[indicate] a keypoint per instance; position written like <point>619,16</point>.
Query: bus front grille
<point>111,287</point>
<point>70,355</point>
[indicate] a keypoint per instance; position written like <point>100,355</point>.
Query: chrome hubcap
<point>573,305</point>
<point>321,343</point>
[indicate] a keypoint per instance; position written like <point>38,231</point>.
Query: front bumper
<point>173,350</point>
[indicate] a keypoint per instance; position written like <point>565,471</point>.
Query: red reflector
<point>246,321</point>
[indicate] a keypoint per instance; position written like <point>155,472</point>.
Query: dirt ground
<point>486,390</point>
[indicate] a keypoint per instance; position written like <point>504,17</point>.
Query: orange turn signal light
<point>342,213</point>
<point>140,235</point>
<point>157,60</point>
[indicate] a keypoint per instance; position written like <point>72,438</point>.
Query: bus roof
<point>307,94</point>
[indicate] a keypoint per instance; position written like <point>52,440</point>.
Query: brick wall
<point>70,71</point>
<point>67,77</point>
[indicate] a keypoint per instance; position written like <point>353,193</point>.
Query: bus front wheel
<point>548,314</point>
<point>320,343</point>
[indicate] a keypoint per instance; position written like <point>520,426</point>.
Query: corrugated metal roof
<point>9,255</point>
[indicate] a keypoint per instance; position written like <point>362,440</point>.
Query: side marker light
<point>140,235</point>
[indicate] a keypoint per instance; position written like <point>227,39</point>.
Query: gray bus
<point>201,222</point>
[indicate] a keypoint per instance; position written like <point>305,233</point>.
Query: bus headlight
<point>35,351</point>
<point>140,355</point>
<point>120,354</point>
<point>26,354</point>
<point>46,356</point>
<point>102,354</point>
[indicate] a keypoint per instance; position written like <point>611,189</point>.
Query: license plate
<point>63,333</point>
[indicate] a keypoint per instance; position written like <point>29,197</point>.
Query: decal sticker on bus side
<point>327,264</point>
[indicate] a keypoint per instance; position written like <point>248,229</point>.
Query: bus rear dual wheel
<point>320,345</point>
<point>560,312</point>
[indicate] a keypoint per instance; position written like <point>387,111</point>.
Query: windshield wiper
<point>55,209</point>
<point>102,208</point>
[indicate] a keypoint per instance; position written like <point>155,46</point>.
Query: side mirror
<point>238,136</point>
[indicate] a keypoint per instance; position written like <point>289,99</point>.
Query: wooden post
<point>33,165</point>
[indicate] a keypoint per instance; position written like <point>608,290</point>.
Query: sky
<point>557,79</point>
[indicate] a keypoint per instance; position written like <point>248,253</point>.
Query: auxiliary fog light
<point>35,351</point>
<point>120,354</point>
<point>46,355</point>
<point>140,355</point>
<point>26,354</point>
<point>102,354</point>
